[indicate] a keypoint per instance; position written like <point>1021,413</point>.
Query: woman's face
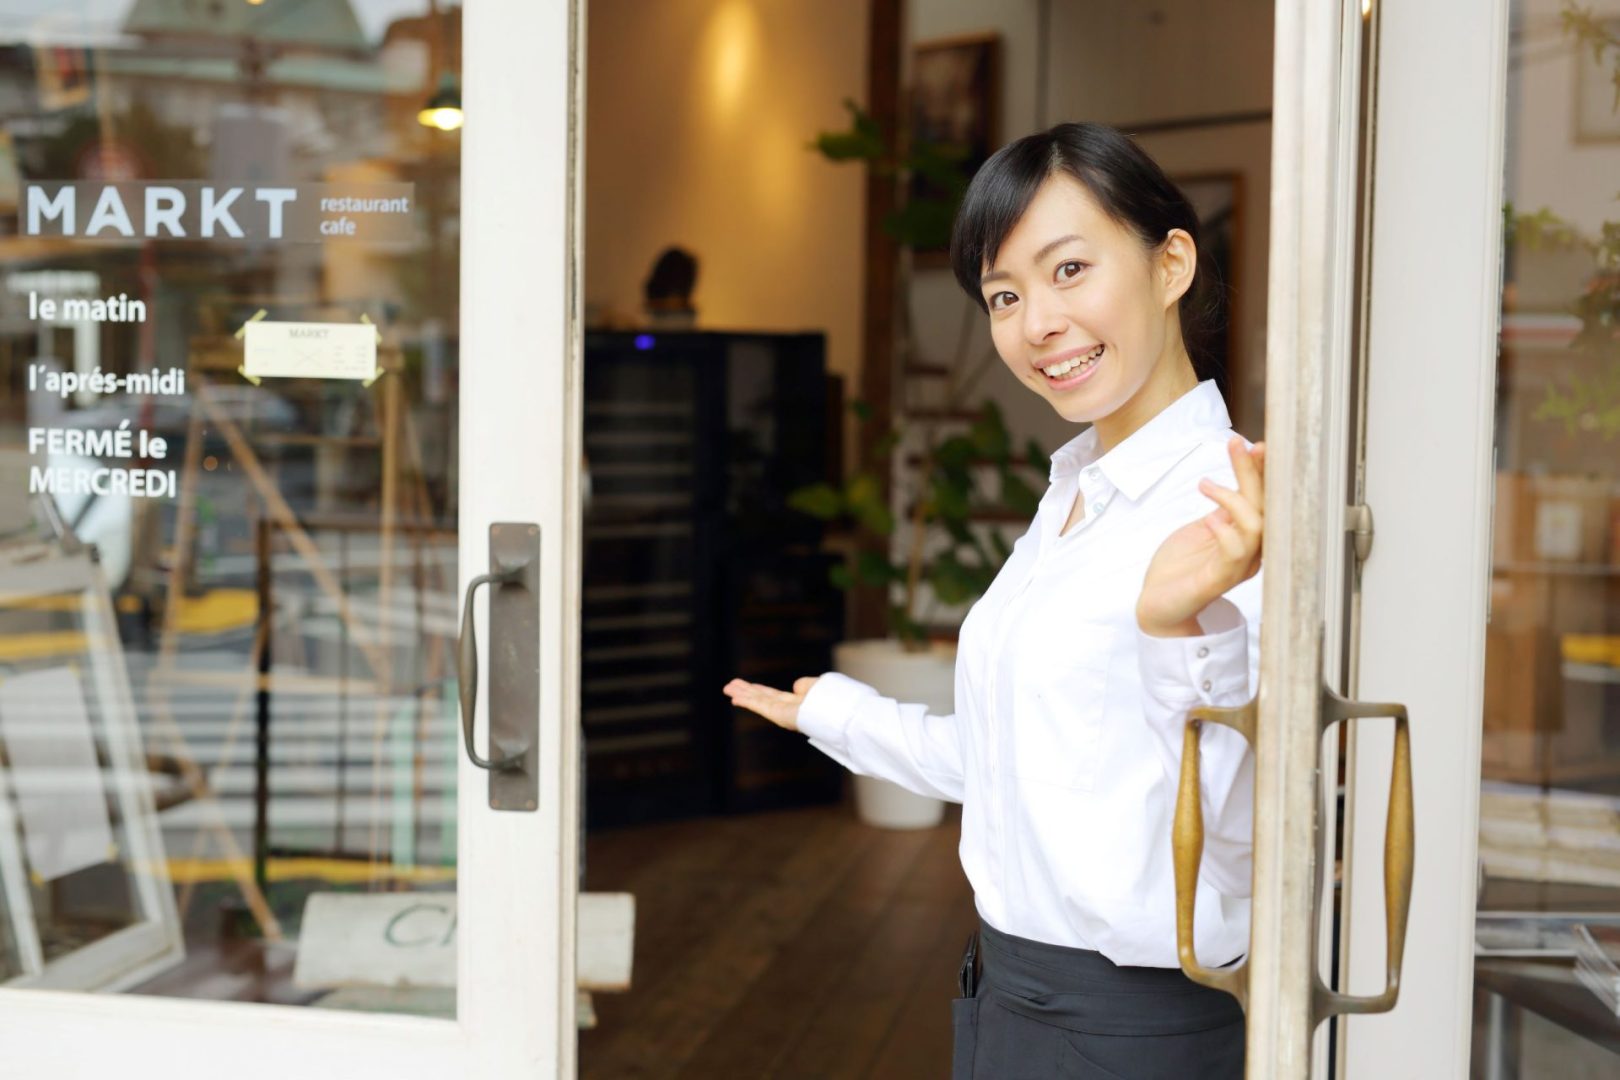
<point>1081,310</point>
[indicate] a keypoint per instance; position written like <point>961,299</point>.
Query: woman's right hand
<point>780,707</point>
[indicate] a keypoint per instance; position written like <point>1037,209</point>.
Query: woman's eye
<point>1000,300</point>
<point>1070,270</point>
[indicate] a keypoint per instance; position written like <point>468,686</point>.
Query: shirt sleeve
<point>877,736</point>
<point>1221,667</point>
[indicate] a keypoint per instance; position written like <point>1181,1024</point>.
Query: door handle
<point>1400,839</point>
<point>1187,844</point>
<point>514,666</point>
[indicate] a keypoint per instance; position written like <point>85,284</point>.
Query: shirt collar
<point>1143,458</point>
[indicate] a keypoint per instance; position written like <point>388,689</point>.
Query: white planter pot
<point>926,678</point>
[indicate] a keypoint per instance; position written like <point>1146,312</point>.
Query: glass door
<point>275,331</point>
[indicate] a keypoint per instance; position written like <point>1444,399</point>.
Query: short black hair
<point>1127,184</point>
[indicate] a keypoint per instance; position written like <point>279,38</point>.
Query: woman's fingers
<point>1233,544</point>
<point>1244,513</point>
<point>1248,466</point>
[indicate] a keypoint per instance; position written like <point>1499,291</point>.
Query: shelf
<point>1557,569</point>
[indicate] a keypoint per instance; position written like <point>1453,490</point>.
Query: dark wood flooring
<point>798,944</point>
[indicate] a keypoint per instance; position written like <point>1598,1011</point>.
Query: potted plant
<point>953,546</point>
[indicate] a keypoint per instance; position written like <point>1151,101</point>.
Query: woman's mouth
<point>1072,372</point>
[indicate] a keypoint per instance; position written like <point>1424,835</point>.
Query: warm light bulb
<point>445,119</point>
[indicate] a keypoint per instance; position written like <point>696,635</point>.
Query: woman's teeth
<point>1079,363</point>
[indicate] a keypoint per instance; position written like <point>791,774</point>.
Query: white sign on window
<point>298,350</point>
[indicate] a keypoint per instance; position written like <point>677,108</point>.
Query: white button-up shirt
<point>1065,748</point>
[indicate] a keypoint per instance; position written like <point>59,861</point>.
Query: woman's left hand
<point>1202,560</point>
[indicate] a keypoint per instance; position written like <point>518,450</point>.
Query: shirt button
<point>1203,651</point>
<point>1206,686</point>
<point>1097,508</point>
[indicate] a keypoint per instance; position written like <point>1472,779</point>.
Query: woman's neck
<point>1172,377</point>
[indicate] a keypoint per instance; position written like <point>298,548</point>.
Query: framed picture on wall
<point>1218,199</point>
<point>1597,113</point>
<point>955,107</point>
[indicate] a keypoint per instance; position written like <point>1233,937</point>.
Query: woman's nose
<point>1041,321</point>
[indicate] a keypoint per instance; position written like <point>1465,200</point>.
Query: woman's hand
<point>1203,559</point>
<point>780,707</point>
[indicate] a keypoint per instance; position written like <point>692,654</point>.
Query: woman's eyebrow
<point>997,275</point>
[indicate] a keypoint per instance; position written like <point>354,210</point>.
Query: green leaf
<point>952,582</point>
<point>956,452</point>
<point>862,141</point>
<point>861,410</point>
<point>959,531</point>
<point>864,497</point>
<point>950,499</point>
<point>1017,495</point>
<point>1037,457</point>
<point>840,577</point>
<point>818,500</point>
<point>873,568</point>
<point>905,627</point>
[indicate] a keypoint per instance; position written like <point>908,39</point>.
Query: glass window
<point>229,270</point>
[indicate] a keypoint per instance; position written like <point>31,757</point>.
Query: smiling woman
<point>1133,597</point>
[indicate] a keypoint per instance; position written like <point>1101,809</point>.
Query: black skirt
<point>1033,1011</point>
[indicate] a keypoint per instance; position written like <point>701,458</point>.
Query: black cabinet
<point>696,570</point>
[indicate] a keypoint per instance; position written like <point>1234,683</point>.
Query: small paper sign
<point>298,350</point>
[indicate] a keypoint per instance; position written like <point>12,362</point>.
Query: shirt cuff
<point>827,709</point>
<point>1212,669</point>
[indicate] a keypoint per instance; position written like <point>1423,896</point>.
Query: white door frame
<point>1435,292</point>
<point>522,92</point>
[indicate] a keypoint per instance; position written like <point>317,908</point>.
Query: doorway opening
<point>755,337</point>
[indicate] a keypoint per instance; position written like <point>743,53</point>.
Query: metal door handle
<point>1400,840</point>
<point>1187,844</point>
<point>467,674</point>
<point>514,667</point>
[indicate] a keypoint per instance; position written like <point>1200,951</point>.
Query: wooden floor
<point>797,944</point>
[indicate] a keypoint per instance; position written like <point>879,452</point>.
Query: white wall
<point>1124,62</point>
<point>698,116</point>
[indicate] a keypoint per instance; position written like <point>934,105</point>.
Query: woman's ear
<point>1177,263</point>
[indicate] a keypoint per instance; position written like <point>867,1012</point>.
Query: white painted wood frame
<point>519,461</point>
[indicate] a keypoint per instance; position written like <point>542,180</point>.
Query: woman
<point>1132,598</point>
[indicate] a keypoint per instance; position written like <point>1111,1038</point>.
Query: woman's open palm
<point>780,707</point>
<point>1204,559</point>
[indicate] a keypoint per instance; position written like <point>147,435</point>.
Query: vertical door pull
<point>1187,843</point>
<point>514,666</point>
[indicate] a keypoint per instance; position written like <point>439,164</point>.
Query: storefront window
<point>1550,798</point>
<point>229,269</point>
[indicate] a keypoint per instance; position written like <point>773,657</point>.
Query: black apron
<point>1032,1011</point>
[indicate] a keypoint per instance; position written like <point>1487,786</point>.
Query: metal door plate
<point>514,665</point>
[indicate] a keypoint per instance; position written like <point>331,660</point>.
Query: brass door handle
<point>1187,844</point>
<point>1400,841</point>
